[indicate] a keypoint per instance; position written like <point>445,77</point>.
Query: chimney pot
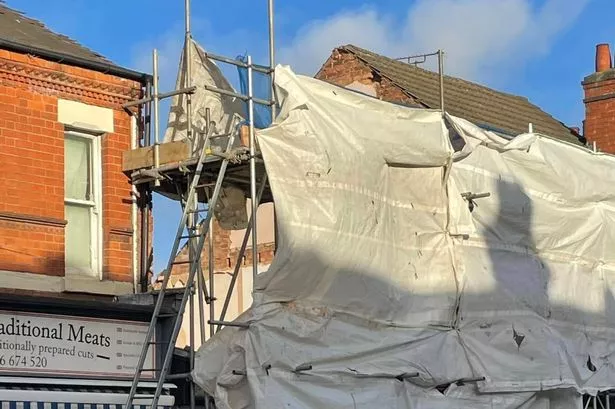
<point>603,58</point>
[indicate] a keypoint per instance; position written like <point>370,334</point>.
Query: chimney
<point>599,89</point>
<point>603,58</point>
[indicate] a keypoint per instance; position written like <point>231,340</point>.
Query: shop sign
<point>66,345</point>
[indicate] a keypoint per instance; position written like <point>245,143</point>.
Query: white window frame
<point>95,205</point>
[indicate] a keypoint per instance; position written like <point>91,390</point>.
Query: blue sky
<point>540,49</point>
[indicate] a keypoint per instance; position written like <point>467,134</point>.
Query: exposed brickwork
<point>344,68</point>
<point>225,256</point>
<point>265,254</point>
<point>221,252</point>
<point>32,155</point>
<point>600,113</point>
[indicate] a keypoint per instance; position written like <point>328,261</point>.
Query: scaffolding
<point>196,183</point>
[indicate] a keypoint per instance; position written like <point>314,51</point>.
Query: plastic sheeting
<point>225,111</point>
<point>261,88</point>
<point>388,288</point>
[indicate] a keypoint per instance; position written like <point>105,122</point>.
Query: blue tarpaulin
<point>261,88</point>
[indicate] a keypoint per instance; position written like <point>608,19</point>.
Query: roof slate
<point>481,105</point>
<point>16,27</point>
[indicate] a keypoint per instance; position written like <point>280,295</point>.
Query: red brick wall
<point>600,113</point>
<point>343,68</point>
<point>222,243</point>
<point>32,156</point>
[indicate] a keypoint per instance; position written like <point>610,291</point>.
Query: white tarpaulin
<point>386,287</point>
<point>225,111</point>
<point>225,115</point>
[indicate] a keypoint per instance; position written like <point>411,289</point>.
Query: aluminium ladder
<point>197,232</point>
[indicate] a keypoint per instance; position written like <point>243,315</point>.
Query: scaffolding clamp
<point>470,197</point>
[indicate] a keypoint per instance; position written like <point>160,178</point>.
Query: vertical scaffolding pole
<point>210,248</point>
<point>273,106</point>
<point>188,62</point>
<point>195,204</point>
<point>271,55</point>
<point>240,254</point>
<point>441,73</point>
<point>200,288</point>
<point>200,278</point>
<point>156,117</point>
<point>191,341</point>
<point>252,170</point>
<point>144,200</point>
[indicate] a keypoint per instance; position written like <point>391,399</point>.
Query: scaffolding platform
<point>177,164</point>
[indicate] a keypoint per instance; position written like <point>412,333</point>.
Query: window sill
<point>92,285</point>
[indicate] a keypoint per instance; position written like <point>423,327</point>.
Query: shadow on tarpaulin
<point>331,350</point>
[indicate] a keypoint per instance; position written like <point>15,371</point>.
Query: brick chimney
<point>599,87</point>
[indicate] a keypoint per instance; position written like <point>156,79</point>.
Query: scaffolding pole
<point>252,148</point>
<point>156,116</point>
<point>441,75</point>
<point>242,250</point>
<point>190,219</point>
<point>195,204</point>
<point>420,59</point>
<point>271,55</point>
<point>273,106</point>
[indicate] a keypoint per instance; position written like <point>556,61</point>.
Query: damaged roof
<point>485,107</point>
<point>24,34</point>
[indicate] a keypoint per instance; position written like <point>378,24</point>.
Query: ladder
<point>196,234</point>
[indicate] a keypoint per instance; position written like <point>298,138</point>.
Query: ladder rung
<point>150,370</point>
<point>190,236</point>
<point>196,211</point>
<point>182,262</point>
<point>167,315</point>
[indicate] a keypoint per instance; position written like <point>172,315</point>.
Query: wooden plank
<point>144,157</point>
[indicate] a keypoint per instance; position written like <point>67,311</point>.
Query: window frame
<point>94,204</point>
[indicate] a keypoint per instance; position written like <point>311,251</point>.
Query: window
<point>82,204</point>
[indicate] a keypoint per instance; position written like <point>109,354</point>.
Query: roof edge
<point>446,76</point>
<point>105,68</point>
<point>350,48</point>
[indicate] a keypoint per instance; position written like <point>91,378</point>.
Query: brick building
<point>599,89</point>
<point>399,82</point>
<point>68,222</point>
<point>65,208</point>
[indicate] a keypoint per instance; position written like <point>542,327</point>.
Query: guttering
<point>105,68</point>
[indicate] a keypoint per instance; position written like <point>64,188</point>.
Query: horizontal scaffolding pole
<point>229,323</point>
<point>189,90</point>
<point>236,95</point>
<point>255,67</point>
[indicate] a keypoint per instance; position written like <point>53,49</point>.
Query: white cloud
<point>483,39</point>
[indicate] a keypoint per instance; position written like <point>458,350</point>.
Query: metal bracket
<point>303,368</point>
<point>407,375</point>
<point>463,381</point>
<point>229,323</point>
<point>470,197</point>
